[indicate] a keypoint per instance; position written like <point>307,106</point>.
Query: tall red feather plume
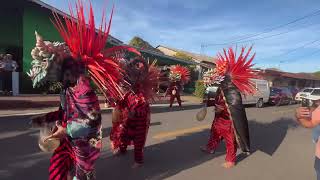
<point>183,71</point>
<point>238,68</point>
<point>151,82</point>
<point>87,45</point>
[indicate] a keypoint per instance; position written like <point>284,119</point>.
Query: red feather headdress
<point>87,45</point>
<point>179,73</point>
<point>141,76</point>
<point>239,69</point>
<point>151,82</point>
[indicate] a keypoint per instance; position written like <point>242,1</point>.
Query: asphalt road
<point>281,149</point>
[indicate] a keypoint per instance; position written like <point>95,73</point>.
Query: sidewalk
<point>38,104</point>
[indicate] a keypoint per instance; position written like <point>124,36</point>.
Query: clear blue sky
<point>186,24</point>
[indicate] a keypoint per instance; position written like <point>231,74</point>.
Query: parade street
<point>280,149</point>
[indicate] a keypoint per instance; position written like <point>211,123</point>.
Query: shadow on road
<point>24,104</point>
<point>106,131</point>
<point>161,160</point>
<point>175,108</point>
<point>27,104</point>
<point>162,109</point>
<point>20,154</point>
<point>171,157</point>
<point>267,137</point>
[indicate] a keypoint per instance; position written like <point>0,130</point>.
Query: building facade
<point>203,62</point>
<point>23,17</point>
<point>297,80</point>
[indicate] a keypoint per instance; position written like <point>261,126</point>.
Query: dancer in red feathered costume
<point>132,114</point>
<point>232,76</point>
<point>74,63</point>
<point>178,77</point>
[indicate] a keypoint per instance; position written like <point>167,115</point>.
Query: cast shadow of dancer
<point>171,157</point>
<point>267,137</point>
<point>162,160</point>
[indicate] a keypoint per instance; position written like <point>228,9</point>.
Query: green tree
<point>142,44</point>
<point>317,74</point>
<point>182,55</point>
<point>200,89</point>
<point>139,43</point>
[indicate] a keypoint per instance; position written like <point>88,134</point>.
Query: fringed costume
<point>133,112</point>
<point>232,77</point>
<point>178,77</point>
<point>78,120</point>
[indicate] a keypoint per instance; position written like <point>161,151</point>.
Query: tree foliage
<point>142,44</point>
<point>200,89</point>
<point>183,56</point>
<point>139,43</point>
<point>317,74</point>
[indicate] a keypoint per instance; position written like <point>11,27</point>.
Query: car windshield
<point>316,92</point>
<point>307,90</point>
<point>274,91</point>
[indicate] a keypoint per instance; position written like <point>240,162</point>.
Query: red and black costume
<point>174,90</point>
<point>132,124</point>
<point>178,77</point>
<point>232,76</point>
<point>135,126</point>
<point>222,128</point>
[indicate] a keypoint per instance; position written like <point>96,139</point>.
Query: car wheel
<point>260,103</point>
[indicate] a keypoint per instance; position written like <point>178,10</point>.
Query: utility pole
<point>202,49</point>
<point>280,62</point>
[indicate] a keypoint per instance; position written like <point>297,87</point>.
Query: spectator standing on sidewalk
<point>7,66</point>
<point>11,65</point>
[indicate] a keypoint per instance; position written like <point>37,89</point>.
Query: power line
<point>273,35</point>
<point>257,39</point>
<point>304,56</point>
<point>308,55</point>
<point>315,13</point>
<point>295,49</point>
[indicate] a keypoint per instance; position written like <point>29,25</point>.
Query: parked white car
<point>211,91</point>
<point>315,95</point>
<point>304,94</point>
<point>261,96</point>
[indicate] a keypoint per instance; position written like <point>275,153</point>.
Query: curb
<point>154,108</point>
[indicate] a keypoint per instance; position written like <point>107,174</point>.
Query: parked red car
<point>280,96</point>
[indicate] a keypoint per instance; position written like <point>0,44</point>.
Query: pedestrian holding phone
<point>308,115</point>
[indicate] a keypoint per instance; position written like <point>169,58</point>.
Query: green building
<point>21,18</point>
